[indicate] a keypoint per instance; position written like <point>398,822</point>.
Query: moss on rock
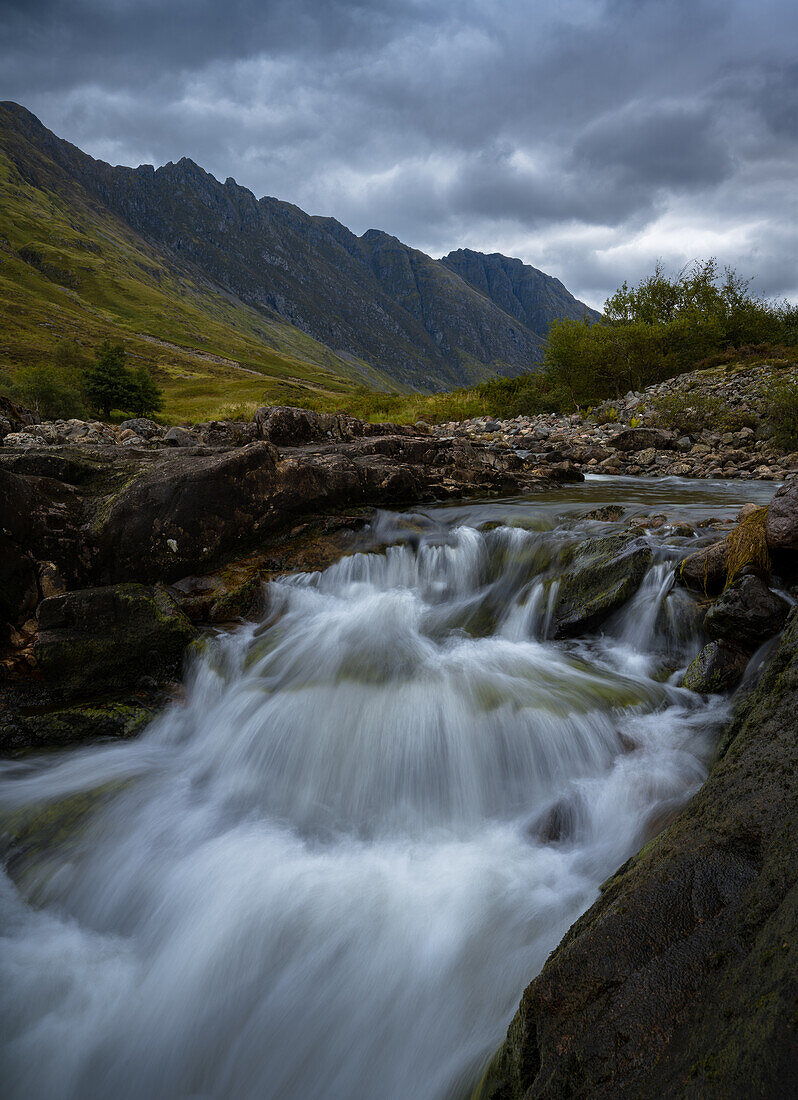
<point>605,574</point>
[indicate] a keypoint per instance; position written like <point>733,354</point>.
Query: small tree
<point>108,382</point>
<point>51,393</point>
<point>145,396</point>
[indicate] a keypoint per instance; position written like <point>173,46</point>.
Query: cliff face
<point>425,322</point>
<point>532,297</point>
<point>681,980</point>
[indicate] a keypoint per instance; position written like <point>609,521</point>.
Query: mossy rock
<point>109,638</point>
<point>84,722</point>
<point>718,667</point>
<point>606,573</point>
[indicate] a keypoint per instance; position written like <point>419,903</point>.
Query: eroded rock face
<point>746,614</point>
<point>109,638</point>
<point>781,526</point>
<point>680,981</point>
<point>606,574</point>
<point>177,516</point>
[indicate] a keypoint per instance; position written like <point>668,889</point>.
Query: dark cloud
<point>590,137</point>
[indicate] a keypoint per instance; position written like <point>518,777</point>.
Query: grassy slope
<point>491,398</point>
<point>70,269</point>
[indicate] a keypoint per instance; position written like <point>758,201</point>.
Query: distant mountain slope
<point>529,295</point>
<point>367,309</point>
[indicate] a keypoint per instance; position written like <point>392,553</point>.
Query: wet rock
<point>62,726</point>
<point>107,638</point>
<point>718,667</point>
<point>240,602</point>
<point>781,526</point>
<point>680,981</point>
<point>609,513</point>
<point>606,573</point>
<point>747,613</point>
<point>705,570</point>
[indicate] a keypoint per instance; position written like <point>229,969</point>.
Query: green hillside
<point>70,269</point>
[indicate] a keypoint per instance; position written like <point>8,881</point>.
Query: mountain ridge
<point>371,300</point>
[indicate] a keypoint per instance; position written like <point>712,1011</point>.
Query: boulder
<point>781,525</point>
<point>606,573</point>
<point>747,613</point>
<point>107,638</point>
<point>143,427</point>
<point>641,439</point>
<point>718,667</point>
<point>181,437</point>
<point>705,570</point>
<point>180,516</point>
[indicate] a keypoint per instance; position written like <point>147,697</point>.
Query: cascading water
<point>331,871</point>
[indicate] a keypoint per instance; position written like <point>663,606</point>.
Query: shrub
<point>782,413</point>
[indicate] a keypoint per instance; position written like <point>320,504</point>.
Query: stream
<point>330,870</point>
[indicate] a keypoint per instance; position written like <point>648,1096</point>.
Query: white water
<point>322,876</point>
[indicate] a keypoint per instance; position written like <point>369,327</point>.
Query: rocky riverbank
<point>626,436</point>
<point>114,551</point>
<point>680,981</point>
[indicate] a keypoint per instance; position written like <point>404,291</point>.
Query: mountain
<point>531,296</point>
<point>171,254</point>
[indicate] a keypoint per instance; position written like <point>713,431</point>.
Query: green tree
<point>145,396</point>
<point>52,394</point>
<point>108,382</point>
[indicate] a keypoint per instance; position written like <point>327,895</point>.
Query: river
<point>331,869</point>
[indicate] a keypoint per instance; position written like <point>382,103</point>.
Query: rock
<point>181,437</point>
<point>207,505</point>
<point>106,638</point>
<point>55,728</point>
<point>640,439</point>
<point>718,667</point>
<point>781,526</point>
<point>747,613</point>
<point>647,456</point>
<point>228,433</point>
<point>51,582</point>
<point>141,426</point>
<point>243,601</point>
<point>609,513</point>
<point>607,572</point>
<point>19,592</point>
<point>680,980</point>
<point>705,570</point>
<point>747,510</point>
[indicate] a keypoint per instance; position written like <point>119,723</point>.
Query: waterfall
<point>331,869</point>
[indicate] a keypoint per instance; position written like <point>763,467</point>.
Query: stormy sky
<point>588,137</point>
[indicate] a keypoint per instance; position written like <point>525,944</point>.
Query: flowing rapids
<point>331,870</point>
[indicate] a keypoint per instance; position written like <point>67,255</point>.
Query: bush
<point>782,414</point>
<point>664,326</point>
